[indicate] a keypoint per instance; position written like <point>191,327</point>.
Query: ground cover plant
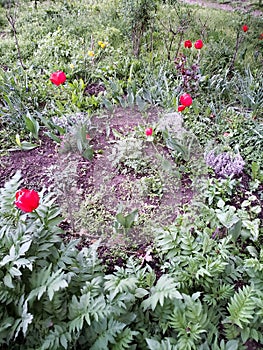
<point>131,175</point>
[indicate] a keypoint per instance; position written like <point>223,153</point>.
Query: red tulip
<point>186,100</point>
<point>181,108</point>
<point>58,77</point>
<point>148,132</point>
<point>27,200</point>
<point>199,44</point>
<point>188,44</point>
<point>245,28</point>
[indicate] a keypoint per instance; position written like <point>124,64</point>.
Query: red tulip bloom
<point>27,200</point>
<point>188,44</point>
<point>245,28</point>
<point>181,108</point>
<point>199,44</point>
<point>186,100</point>
<point>148,132</point>
<point>58,77</point>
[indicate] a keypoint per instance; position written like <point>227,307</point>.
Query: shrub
<point>55,296</point>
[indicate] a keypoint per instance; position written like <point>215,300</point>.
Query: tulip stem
<point>39,217</point>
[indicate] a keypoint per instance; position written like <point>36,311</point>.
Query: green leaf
<point>252,251</point>
<point>181,150</point>
<point>14,272</point>
<point>27,146</point>
<point>56,282</point>
<point>141,293</point>
<point>108,105</point>
<point>253,227</point>
<point>64,341</point>
<point>241,307</point>
<point>127,220</point>
<point>254,334</point>
<point>8,281</point>
<point>235,230</point>
<point>24,247</point>
<point>228,218</point>
<point>232,345</point>
<point>53,136</point>
<point>153,344</point>
<point>245,334</point>
<point>88,153</point>
<point>32,125</point>
<point>166,288</point>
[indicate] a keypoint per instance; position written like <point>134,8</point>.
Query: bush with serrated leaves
<point>55,296</point>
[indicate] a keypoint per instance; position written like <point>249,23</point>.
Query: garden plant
<point>131,175</point>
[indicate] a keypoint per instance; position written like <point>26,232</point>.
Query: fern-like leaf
<point>166,344</point>
<point>124,339</point>
<point>241,307</point>
<point>166,288</point>
<point>108,336</point>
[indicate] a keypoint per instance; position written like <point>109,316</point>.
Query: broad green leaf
<point>24,247</point>
<point>8,281</point>
<point>88,153</point>
<point>228,218</point>
<point>232,345</point>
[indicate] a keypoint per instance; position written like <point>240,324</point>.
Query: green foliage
<point>55,296</point>
<point>13,92</point>
<point>249,136</point>
<point>216,189</point>
<point>125,222</point>
<point>166,288</point>
<point>183,146</point>
<point>200,287</point>
<point>127,154</point>
<point>138,16</point>
<point>241,307</point>
<point>78,140</point>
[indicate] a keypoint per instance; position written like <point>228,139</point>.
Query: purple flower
<point>225,164</point>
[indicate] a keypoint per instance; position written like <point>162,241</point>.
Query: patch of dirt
<point>32,164</point>
<point>107,187</point>
<point>94,89</point>
<point>90,193</point>
<point>97,188</point>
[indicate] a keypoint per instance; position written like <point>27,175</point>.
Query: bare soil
<point>96,188</point>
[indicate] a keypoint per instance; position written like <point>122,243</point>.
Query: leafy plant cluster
<point>199,285</point>
<point>53,296</point>
<point>68,32</point>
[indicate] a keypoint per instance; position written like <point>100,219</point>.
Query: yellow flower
<point>71,65</point>
<point>102,44</point>
<point>91,53</point>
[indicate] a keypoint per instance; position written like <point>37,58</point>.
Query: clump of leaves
<point>54,295</point>
<point>127,154</point>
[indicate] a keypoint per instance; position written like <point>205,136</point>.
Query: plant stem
<point>12,21</point>
<point>238,41</point>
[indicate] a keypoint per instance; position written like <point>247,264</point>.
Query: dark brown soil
<point>32,164</point>
<point>43,167</point>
